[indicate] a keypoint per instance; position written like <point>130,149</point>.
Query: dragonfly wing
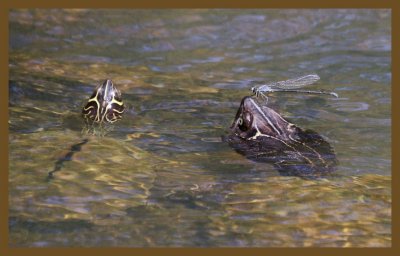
<point>296,82</point>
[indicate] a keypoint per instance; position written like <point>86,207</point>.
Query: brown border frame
<point>5,5</point>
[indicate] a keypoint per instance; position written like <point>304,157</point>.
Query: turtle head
<point>105,105</point>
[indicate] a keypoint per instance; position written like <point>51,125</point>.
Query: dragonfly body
<point>291,85</point>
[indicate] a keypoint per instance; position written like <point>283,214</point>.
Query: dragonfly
<point>290,85</point>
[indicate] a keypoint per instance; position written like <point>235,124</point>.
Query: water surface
<point>163,177</point>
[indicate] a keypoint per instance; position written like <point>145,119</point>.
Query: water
<point>163,177</point>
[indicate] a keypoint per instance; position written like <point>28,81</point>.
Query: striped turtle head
<point>262,135</point>
<point>105,105</point>
<point>253,120</point>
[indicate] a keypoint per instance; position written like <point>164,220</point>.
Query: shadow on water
<point>49,227</point>
<point>68,157</point>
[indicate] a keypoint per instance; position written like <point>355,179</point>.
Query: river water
<point>163,176</point>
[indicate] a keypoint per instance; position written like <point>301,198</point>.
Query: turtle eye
<point>245,121</point>
<point>242,124</point>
